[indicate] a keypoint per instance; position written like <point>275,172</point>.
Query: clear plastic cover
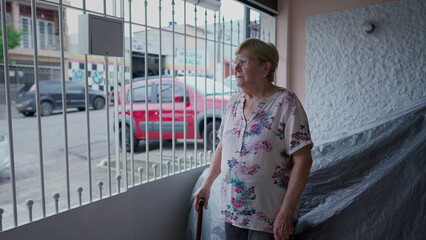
<point>368,185</point>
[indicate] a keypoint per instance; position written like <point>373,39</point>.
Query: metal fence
<point>207,35</point>
<point>19,75</point>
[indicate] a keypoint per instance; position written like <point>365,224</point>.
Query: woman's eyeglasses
<point>243,62</point>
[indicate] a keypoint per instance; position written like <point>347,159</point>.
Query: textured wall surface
<point>353,78</point>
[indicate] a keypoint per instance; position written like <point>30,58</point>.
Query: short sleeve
<point>219,132</point>
<point>297,134</point>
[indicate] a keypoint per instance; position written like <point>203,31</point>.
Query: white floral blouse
<point>256,157</point>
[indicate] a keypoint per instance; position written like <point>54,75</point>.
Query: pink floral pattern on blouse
<point>257,157</point>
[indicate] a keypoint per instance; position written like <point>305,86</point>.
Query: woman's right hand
<point>204,190</point>
<point>202,193</point>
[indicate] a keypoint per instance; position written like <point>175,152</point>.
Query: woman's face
<point>248,70</point>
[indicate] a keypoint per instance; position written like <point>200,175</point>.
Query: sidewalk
<point>154,156</point>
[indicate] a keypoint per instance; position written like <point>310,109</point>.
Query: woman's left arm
<point>283,224</point>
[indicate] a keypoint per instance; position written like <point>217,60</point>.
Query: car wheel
<point>212,132</point>
<point>28,114</point>
<point>135,141</point>
<point>46,108</point>
<point>98,103</point>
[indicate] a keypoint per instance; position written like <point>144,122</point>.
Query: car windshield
<point>211,87</point>
<point>26,87</point>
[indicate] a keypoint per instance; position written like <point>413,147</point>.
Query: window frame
<point>46,40</point>
<point>142,86</point>
<point>179,89</point>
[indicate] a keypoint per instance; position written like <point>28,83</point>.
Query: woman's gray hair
<point>265,52</point>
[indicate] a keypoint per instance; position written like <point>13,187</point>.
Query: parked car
<point>193,123</point>
<point>4,153</point>
<point>51,97</point>
<point>231,82</point>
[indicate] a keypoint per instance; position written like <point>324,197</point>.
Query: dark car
<point>51,97</point>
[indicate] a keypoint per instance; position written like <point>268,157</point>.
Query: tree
<point>13,39</point>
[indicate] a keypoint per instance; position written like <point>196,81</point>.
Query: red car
<point>204,105</point>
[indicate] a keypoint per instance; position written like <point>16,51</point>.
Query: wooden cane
<point>200,218</point>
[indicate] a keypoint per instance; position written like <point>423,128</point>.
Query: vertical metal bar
<point>196,88</point>
<point>160,63</point>
<point>117,123</point>
<point>36,75</point>
<point>191,159</point>
<point>86,93</point>
<point>167,167</point>
<point>184,83</point>
<point>154,170</point>
<point>140,171</point>
<point>116,109</point>
<point>247,22</point>
<point>56,199</point>
<point>118,180</point>
<point>123,100</point>
<point>107,125</point>
<point>223,65</point>
<point>1,219</point>
<point>80,194</point>
<point>239,33</point>
<point>205,85</point>
<point>64,102</point>
<point>132,142</point>
<point>100,184</point>
<point>179,160</point>
<point>106,90</point>
<point>260,27</point>
<point>238,42</point>
<point>174,90</point>
<point>230,58</point>
<point>30,204</point>
<point>146,93</point>
<point>104,5</point>
<point>214,77</point>
<point>9,111</point>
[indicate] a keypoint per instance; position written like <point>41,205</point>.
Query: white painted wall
<point>353,78</point>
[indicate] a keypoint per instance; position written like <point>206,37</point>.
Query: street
<point>28,159</point>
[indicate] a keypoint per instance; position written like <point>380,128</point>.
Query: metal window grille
<point>198,52</point>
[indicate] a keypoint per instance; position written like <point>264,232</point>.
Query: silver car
<point>4,153</point>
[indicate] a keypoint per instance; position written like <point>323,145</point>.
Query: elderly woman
<point>264,153</point>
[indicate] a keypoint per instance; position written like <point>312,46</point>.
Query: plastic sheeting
<point>368,185</point>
